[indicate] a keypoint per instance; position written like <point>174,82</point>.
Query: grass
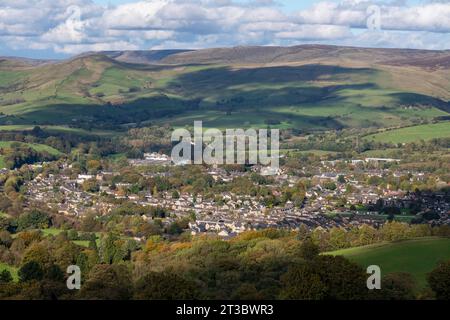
<point>12,270</point>
<point>84,243</point>
<point>35,146</point>
<point>51,232</point>
<point>314,152</point>
<point>59,129</point>
<point>418,256</point>
<point>54,232</point>
<point>413,134</point>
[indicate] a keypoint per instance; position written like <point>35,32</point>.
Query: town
<point>330,198</point>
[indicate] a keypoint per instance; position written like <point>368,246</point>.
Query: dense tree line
<point>269,264</point>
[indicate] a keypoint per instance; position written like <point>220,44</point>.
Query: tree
<point>5,277</point>
<point>247,291</point>
<point>159,212</point>
<point>91,186</point>
<point>5,238</point>
<point>90,223</point>
<point>345,279</point>
<point>309,250</point>
<point>165,286</point>
<point>395,286</point>
<point>86,260</point>
<point>65,254</point>
<point>107,282</point>
<point>111,249</point>
<point>72,235</point>
<point>54,273</point>
<point>302,283</point>
<point>93,244</point>
<point>330,185</point>
<point>303,233</point>
<point>93,166</point>
<point>39,253</point>
<point>34,219</point>
<point>175,195</point>
<point>439,280</point>
<point>31,271</point>
<point>174,228</point>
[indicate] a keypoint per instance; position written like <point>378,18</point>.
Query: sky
<point>63,28</point>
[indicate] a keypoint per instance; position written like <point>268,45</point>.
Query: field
<point>36,147</point>
<point>413,134</point>
<point>417,257</point>
<point>51,232</point>
<point>59,129</point>
<point>54,232</point>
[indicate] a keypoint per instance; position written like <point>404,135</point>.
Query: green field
<point>11,269</point>
<point>54,232</point>
<point>51,232</point>
<point>59,129</point>
<point>418,256</point>
<point>413,134</point>
<point>35,146</point>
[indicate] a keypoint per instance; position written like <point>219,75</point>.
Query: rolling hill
<point>308,87</point>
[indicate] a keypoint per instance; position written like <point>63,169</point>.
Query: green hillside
<point>417,257</point>
<point>335,91</point>
<point>414,133</point>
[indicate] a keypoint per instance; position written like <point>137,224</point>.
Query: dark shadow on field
<point>414,99</point>
<point>222,86</point>
<point>158,111</point>
<point>260,119</point>
<point>224,77</point>
<point>105,116</point>
<point>293,95</point>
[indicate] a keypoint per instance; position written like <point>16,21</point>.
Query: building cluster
<point>323,206</point>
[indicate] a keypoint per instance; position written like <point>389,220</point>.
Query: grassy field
<point>59,129</point>
<point>51,232</point>
<point>418,256</point>
<point>413,134</point>
<point>11,269</point>
<point>55,232</point>
<point>35,146</point>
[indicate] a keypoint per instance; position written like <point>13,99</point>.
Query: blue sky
<point>63,28</point>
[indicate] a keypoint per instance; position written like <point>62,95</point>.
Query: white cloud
<point>316,32</point>
<point>144,24</point>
